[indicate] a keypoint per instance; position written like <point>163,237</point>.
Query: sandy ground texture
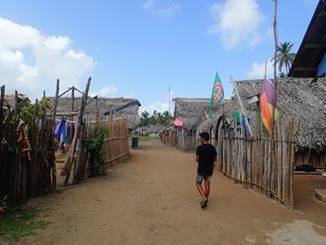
<point>151,199</point>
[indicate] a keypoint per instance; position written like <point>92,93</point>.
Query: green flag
<point>236,116</point>
<point>217,96</point>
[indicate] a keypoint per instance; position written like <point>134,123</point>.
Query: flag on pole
<point>267,104</point>
<point>217,96</point>
<point>236,115</point>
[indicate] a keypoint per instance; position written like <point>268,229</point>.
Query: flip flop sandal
<point>204,204</point>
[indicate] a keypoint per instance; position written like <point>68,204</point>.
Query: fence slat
<point>261,163</point>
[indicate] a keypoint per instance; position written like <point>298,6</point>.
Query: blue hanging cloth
<point>244,126</point>
<point>60,127</point>
<point>64,135</point>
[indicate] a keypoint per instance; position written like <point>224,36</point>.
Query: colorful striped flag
<point>267,104</point>
<point>217,96</point>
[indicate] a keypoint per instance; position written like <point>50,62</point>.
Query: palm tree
<point>144,120</point>
<point>284,57</point>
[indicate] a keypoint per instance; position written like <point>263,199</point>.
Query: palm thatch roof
<point>190,110</point>
<point>204,124</point>
<point>130,113</point>
<point>301,99</point>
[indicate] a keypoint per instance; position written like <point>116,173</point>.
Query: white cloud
<point>107,91</point>
<point>257,70</point>
<point>237,22</point>
<point>53,57</point>
<point>160,106</point>
<point>166,11</point>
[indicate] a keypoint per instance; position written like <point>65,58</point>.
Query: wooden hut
<point>92,108</point>
<point>300,99</point>
<point>190,110</point>
<point>205,124</point>
<point>304,100</point>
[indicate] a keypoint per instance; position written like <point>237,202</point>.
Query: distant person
<point>206,158</point>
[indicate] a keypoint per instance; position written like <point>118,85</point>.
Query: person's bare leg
<point>207,185</point>
<point>200,190</point>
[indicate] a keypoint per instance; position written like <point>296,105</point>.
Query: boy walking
<point>206,158</point>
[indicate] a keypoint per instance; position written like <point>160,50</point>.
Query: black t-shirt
<point>207,155</point>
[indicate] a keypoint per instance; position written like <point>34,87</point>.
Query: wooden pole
<point>56,99</point>
<point>54,172</point>
<point>62,94</point>
<point>276,44</point>
<point>72,110</point>
<point>16,100</point>
<point>265,76</point>
<point>2,100</point>
<point>241,105</point>
<point>71,153</point>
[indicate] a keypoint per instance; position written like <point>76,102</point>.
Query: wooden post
<point>16,100</point>
<point>71,153</point>
<point>265,76</point>
<point>277,45</point>
<point>241,105</point>
<point>56,100</point>
<point>72,110</point>
<point>291,170</point>
<point>79,124</point>
<point>2,99</point>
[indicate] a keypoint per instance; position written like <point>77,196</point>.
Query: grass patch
<point>20,223</point>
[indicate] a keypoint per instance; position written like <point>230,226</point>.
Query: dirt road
<point>152,199</point>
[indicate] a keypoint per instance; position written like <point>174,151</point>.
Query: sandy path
<point>151,199</point>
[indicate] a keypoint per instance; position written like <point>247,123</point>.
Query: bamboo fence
<point>115,148</point>
<point>187,143</point>
<point>116,143</point>
<point>261,163</point>
<point>169,137</point>
<point>25,172</point>
<point>181,140</point>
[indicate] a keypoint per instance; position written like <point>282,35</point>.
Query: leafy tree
<point>167,117</point>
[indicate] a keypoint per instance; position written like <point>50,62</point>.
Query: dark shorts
<point>200,178</point>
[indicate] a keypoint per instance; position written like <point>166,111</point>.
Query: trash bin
<point>134,142</point>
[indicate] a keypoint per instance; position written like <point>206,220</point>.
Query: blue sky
<point>139,48</point>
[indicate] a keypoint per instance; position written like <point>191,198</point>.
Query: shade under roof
<point>313,46</point>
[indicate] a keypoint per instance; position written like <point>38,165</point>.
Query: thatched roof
<point>204,124</point>
<point>130,113</point>
<point>189,110</point>
<point>302,99</point>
